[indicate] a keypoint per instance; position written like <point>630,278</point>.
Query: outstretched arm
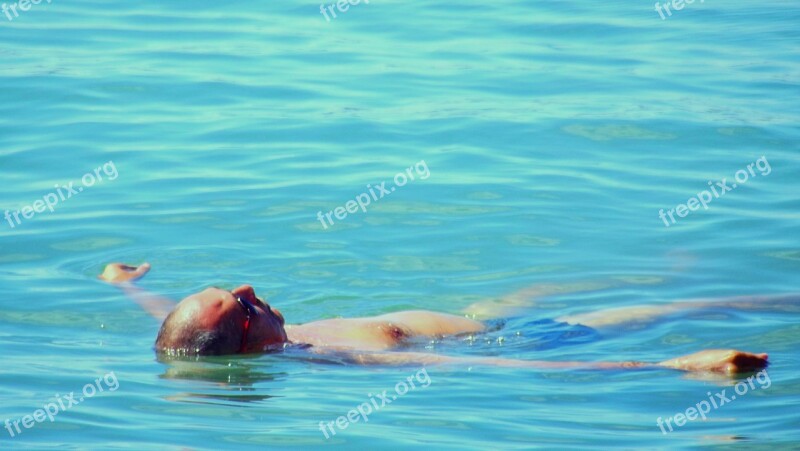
<point>717,361</point>
<point>123,276</point>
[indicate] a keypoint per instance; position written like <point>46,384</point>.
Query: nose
<point>245,292</point>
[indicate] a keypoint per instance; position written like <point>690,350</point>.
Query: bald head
<point>213,322</point>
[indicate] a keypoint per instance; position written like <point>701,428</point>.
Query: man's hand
<point>728,361</point>
<point>118,273</point>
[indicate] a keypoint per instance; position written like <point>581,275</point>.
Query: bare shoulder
<point>428,323</point>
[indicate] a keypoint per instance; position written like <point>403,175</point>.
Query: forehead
<point>214,294</point>
<point>207,307</point>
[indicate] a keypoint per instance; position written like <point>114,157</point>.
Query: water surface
<point>554,133</point>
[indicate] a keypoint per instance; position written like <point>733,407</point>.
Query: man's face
<point>218,309</point>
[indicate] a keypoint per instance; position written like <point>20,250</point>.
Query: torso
<point>380,332</point>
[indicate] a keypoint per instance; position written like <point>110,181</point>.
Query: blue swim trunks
<point>517,335</point>
<point>543,334</point>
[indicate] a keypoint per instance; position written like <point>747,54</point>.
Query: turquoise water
<point>554,132</point>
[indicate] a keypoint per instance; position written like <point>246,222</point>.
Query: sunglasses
<point>249,310</point>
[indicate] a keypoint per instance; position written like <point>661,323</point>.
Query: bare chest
<point>357,333</point>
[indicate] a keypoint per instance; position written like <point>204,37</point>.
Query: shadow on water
<point>230,379</point>
<point>234,378</point>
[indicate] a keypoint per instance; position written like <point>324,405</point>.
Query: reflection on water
<point>233,379</point>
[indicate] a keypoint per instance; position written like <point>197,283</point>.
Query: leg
<point>649,313</point>
<point>526,298</point>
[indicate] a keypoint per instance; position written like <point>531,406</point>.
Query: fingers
<point>135,272</point>
<point>129,268</point>
<point>120,272</point>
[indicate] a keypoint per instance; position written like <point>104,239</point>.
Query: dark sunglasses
<point>250,310</point>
